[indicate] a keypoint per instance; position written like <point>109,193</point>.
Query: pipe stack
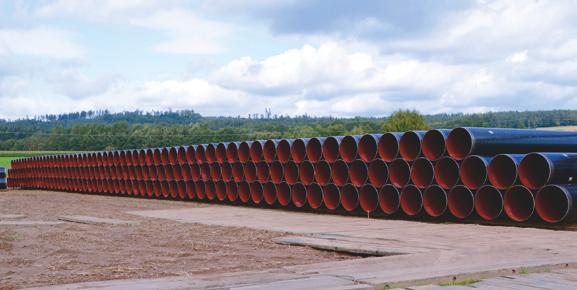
<point>460,173</point>
<point>3,184</point>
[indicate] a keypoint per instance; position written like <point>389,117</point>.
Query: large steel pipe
<point>256,192</point>
<point>340,172</point>
<point>244,193</point>
<point>269,193</point>
<point>181,156</point>
<point>256,151</point>
<point>237,172</point>
<point>422,173</point>
<point>283,190</point>
<point>164,188</point>
<point>446,172</point>
<point>210,153</point>
<point>331,196</point>
<point>315,149</point>
<point>127,158</point>
<point>435,201</point>
<point>378,173</point>
<point>388,146</point>
<point>215,172</point>
<point>182,193</point>
<point>156,157</point>
<point>399,173</point>
<point>190,190</point>
<point>164,155</point>
<point>358,172</point>
<point>262,171</point>
<point>411,200</point>
<point>291,172</point>
<point>220,153</point>
<point>348,149</point>
<point>172,156</point>
<point>492,141</point>
<point>349,197</point>
<point>298,150</point>
<point>410,145</point>
<point>231,191</point>
<point>389,199</point>
<point>519,203</point>
<point>233,153</point>
<point>249,171</point>
<point>323,173</point>
<point>276,171</point>
<point>368,147</point>
<point>368,198</point>
<point>299,195</point>
<point>315,195</point>
<point>434,143</point>
<point>461,202</point>
<point>220,189</point>
<point>204,172</point>
<point>473,171</point>
<point>210,188</point>
<point>190,155</point>
<point>488,202</point>
<point>194,172</point>
<point>200,189</point>
<point>269,150</point>
<point>331,146</point>
<point>306,173</point>
<point>503,170</point>
<point>538,169</point>
<point>225,172</point>
<point>557,203</point>
<point>284,150</point>
<point>199,154</point>
<point>244,151</point>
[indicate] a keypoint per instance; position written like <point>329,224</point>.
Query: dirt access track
<point>126,243</point>
<point>37,248</point>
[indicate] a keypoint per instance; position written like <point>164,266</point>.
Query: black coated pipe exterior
<point>539,169</point>
<point>466,141</point>
<point>557,203</point>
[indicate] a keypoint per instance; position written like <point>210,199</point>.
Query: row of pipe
<point>490,172</point>
<point>502,171</point>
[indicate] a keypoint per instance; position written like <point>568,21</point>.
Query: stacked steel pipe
<point>3,178</point>
<point>460,173</point>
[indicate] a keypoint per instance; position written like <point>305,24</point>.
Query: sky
<point>317,57</point>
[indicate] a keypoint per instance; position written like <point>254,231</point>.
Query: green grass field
<point>7,156</point>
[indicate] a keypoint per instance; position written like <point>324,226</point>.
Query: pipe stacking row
<point>491,173</point>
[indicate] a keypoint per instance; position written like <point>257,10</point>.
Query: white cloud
<point>519,57</point>
<point>40,41</point>
<point>102,9</point>
<point>490,56</point>
<point>493,29</point>
<point>76,85</point>
<point>333,69</point>
<point>188,32</point>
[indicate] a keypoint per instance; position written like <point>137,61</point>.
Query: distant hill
<point>97,130</point>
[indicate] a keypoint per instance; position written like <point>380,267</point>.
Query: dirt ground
<point>39,255</point>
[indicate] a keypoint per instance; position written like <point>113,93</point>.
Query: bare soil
<point>42,255</point>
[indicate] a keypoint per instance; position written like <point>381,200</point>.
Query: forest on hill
<point>100,130</point>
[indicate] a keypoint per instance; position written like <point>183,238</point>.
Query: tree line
<point>100,130</point>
